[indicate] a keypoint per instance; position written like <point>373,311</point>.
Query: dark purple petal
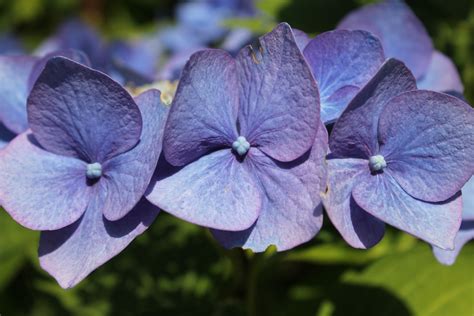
<point>215,191</point>
<point>355,133</point>
<point>441,75</point>
<point>382,196</point>
<point>402,34</point>
<point>40,190</point>
<point>6,136</point>
<point>127,175</point>
<point>342,62</point>
<point>292,210</point>
<point>204,111</point>
<point>279,100</point>
<point>72,253</point>
<point>358,228</point>
<point>14,91</point>
<point>465,234</point>
<point>75,55</point>
<point>427,139</point>
<point>79,112</point>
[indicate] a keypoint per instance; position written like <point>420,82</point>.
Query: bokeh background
<point>178,269</point>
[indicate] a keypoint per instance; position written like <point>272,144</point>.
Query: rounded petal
<point>341,59</point>
<point>40,190</point>
<point>279,99</point>
<point>292,210</point>
<point>14,90</point>
<point>79,112</point>
<point>72,253</point>
<point>441,75</point>
<point>355,133</point>
<point>203,115</point>
<point>216,191</point>
<point>382,196</point>
<point>465,234</point>
<point>427,139</point>
<point>402,34</point>
<point>358,228</point>
<point>127,175</point>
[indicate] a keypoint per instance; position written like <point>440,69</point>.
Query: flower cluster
<point>254,147</point>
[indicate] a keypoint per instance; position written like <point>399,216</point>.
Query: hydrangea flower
<point>80,173</point>
<point>244,146</point>
<point>466,232</point>
<point>342,62</point>
<point>404,37</point>
<point>18,74</point>
<point>399,156</point>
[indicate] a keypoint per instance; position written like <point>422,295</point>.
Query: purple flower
<point>80,173</point>
<point>399,156</point>
<point>19,73</point>
<point>466,232</point>
<point>245,147</point>
<point>404,37</point>
<point>342,62</point>
<point>10,45</point>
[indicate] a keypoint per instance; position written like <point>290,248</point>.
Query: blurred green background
<point>178,269</point>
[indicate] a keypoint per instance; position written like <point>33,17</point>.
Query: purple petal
<point>427,139</point>
<point>75,55</point>
<point>358,228</point>
<point>72,253</point>
<point>465,234</point>
<point>79,112</point>
<point>301,38</point>
<point>6,136</point>
<point>40,190</point>
<point>436,223</point>
<point>468,200</point>
<point>128,174</point>
<point>215,191</point>
<point>355,133</point>
<point>441,75</point>
<point>279,100</point>
<point>175,64</point>
<point>14,91</point>
<point>402,34</point>
<point>342,62</point>
<point>204,111</point>
<point>292,210</point>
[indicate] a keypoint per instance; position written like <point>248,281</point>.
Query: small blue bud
<point>94,171</point>
<point>241,146</point>
<point>377,163</point>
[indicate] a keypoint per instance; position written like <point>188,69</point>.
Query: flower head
<point>244,146</point>
<point>79,174</point>
<point>399,156</point>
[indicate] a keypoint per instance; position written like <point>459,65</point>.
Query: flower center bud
<point>377,163</point>
<point>241,146</point>
<point>94,171</point>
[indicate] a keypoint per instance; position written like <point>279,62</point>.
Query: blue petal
<point>465,234</point>
<point>441,75</point>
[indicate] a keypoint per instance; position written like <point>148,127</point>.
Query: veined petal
<point>465,234</point>
<point>427,139</point>
<point>382,196</point>
<point>79,112</point>
<point>441,75</point>
<point>358,228</point>
<point>203,115</point>
<point>279,99</point>
<point>40,190</point>
<point>72,253</point>
<point>215,191</point>
<point>292,210</point>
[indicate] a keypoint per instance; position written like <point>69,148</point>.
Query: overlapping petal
<point>355,133</point>
<point>441,75</point>
<point>402,34</point>
<point>79,112</point>
<point>128,174</point>
<point>382,196</point>
<point>204,112</point>
<point>342,62</point>
<point>40,190</point>
<point>465,234</point>
<point>279,99</point>
<point>291,209</point>
<point>427,139</point>
<point>215,191</point>
<point>72,253</point>
<point>358,228</point>
<point>468,200</point>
